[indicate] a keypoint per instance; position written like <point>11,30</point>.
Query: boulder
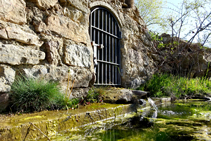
<point>122,96</point>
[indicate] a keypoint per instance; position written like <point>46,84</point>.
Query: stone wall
<point>49,38</point>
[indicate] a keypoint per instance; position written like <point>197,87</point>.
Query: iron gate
<point>105,36</point>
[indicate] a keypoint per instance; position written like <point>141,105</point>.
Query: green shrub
<point>69,103</point>
<point>161,85</point>
<point>94,94</point>
<point>28,95</point>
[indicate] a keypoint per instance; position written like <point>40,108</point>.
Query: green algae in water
<point>179,121</point>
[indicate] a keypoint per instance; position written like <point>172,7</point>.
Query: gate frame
<point>106,34</point>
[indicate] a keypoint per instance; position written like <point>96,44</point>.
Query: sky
<point>172,4</point>
<point>175,2</point>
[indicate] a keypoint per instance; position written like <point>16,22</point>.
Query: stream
<point>181,120</point>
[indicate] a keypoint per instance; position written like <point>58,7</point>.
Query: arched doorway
<point>105,36</point>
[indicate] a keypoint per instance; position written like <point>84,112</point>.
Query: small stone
<point>139,94</point>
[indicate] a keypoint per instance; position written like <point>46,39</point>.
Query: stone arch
<point>108,7</point>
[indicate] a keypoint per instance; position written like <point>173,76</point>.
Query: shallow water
<point>182,121</point>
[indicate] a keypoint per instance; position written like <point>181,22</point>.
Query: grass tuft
<point>162,85</point>
<point>28,95</point>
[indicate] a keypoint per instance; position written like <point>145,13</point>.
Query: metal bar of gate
<point>94,38</point>
<point>112,52</point>
<point>98,42</point>
<point>106,62</point>
<point>115,59</point>
<point>105,32</point>
<point>119,58</point>
<point>109,48</point>
<point>102,42</point>
<point>106,46</point>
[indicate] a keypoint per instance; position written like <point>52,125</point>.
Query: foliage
<point>29,94</point>
<point>169,85</point>
<point>187,20</point>
<point>190,20</point>
<point>94,94</point>
<point>157,39</point>
<point>151,11</point>
<point>69,103</point>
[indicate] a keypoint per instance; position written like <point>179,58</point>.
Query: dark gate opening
<point>105,31</point>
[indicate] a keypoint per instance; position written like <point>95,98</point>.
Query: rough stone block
<point>17,55</point>
<point>3,34</point>
<point>8,73</point>
<point>52,54</point>
<point>77,56</point>
<point>73,13</point>
<point>80,92</point>
<point>7,76</point>
<point>79,4</point>
<point>4,101</point>
<point>13,11</point>
<point>144,38</point>
<point>45,4</point>
<point>139,94</point>
<point>136,82</point>
<point>80,76</point>
<point>67,28</point>
<point>3,86</point>
<point>19,33</point>
<point>135,57</point>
